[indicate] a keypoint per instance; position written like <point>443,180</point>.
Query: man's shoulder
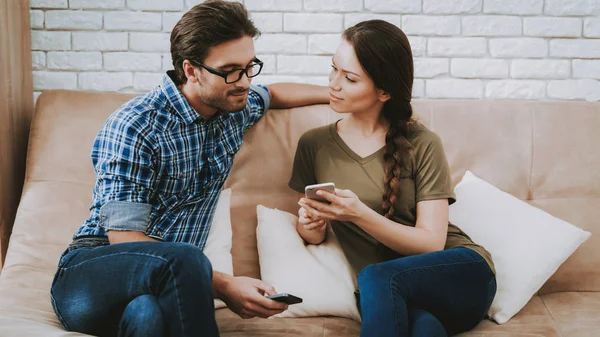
<point>146,111</point>
<point>258,95</point>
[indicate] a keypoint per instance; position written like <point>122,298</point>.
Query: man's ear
<point>190,71</point>
<point>382,95</point>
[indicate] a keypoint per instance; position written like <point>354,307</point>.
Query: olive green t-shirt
<point>322,156</point>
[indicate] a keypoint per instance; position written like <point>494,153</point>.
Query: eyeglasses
<point>234,75</point>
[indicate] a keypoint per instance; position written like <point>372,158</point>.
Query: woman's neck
<point>365,125</point>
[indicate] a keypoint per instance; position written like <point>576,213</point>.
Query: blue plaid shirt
<point>160,166</point>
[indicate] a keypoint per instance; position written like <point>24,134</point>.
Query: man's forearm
<point>289,95</point>
<point>220,281</point>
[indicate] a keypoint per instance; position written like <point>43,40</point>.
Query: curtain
<point>16,109</point>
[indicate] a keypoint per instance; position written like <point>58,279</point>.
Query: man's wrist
<point>220,283</point>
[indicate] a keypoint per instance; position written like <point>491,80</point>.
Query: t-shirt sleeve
<point>303,170</point>
<point>432,175</point>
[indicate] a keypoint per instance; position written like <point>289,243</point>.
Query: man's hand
<point>245,297</point>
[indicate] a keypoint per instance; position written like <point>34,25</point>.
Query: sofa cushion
<point>17,327</point>
<point>577,314</point>
<point>565,181</point>
<point>319,274</point>
<point>533,321</point>
<point>484,136</point>
<point>527,244</point>
<point>232,325</point>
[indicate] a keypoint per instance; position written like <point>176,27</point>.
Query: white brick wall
<point>473,49</point>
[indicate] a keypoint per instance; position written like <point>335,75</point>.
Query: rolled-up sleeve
<point>259,99</point>
<point>123,160</point>
<point>125,216</point>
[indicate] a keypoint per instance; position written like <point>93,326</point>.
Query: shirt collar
<point>181,104</point>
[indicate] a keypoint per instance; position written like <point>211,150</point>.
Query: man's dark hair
<point>206,25</point>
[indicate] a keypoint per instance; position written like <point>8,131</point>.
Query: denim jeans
<point>134,289</point>
<point>428,295</point>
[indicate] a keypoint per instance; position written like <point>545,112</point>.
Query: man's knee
<point>144,307</point>
<point>142,317</point>
<point>189,258</point>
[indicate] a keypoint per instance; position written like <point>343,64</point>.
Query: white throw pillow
<point>218,243</point>
<point>527,244</point>
<point>319,274</point>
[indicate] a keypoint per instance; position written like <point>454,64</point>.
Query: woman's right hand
<point>309,224</point>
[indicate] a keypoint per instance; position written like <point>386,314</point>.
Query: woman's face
<point>350,88</point>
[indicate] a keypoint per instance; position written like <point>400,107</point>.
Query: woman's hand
<point>310,224</point>
<point>345,206</point>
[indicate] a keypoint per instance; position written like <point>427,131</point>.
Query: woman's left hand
<point>345,206</point>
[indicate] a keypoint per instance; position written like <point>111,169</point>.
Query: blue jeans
<point>435,294</point>
<point>134,289</point>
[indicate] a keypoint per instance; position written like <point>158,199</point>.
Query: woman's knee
<point>424,324</point>
<point>373,276</point>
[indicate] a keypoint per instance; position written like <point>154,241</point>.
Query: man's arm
<point>125,176</point>
<point>289,95</point>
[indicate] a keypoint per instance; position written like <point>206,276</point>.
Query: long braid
<point>396,159</point>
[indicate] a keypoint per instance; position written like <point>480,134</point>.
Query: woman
<point>418,274</point>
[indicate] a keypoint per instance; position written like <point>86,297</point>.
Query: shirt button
<point>103,216</point>
<point>159,233</point>
<point>180,175</point>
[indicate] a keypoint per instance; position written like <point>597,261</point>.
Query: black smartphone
<point>285,298</point>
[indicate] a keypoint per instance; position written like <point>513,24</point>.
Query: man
<point>136,267</point>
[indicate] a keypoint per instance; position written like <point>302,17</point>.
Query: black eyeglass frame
<point>224,74</point>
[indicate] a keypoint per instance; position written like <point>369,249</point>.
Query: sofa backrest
<point>542,152</point>
<point>545,153</point>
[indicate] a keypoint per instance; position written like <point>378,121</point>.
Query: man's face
<point>213,91</point>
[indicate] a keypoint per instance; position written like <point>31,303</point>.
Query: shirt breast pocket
<point>221,165</point>
<point>177,178</point>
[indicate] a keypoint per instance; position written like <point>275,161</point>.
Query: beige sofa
<point>545,153</point>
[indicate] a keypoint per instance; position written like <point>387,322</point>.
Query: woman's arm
<point>428,235</point>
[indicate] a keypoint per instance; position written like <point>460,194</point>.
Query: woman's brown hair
<point>384,52</point>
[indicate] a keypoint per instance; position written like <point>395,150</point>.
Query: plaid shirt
<point>160,166</point>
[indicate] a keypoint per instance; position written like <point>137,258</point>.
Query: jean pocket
<point>66,256</point>
<point>57,312</point>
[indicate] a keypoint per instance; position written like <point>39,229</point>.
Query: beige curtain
<point>16,108</point>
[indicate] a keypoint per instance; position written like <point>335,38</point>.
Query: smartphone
<point>285,298</point>
<point>311,191</point>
